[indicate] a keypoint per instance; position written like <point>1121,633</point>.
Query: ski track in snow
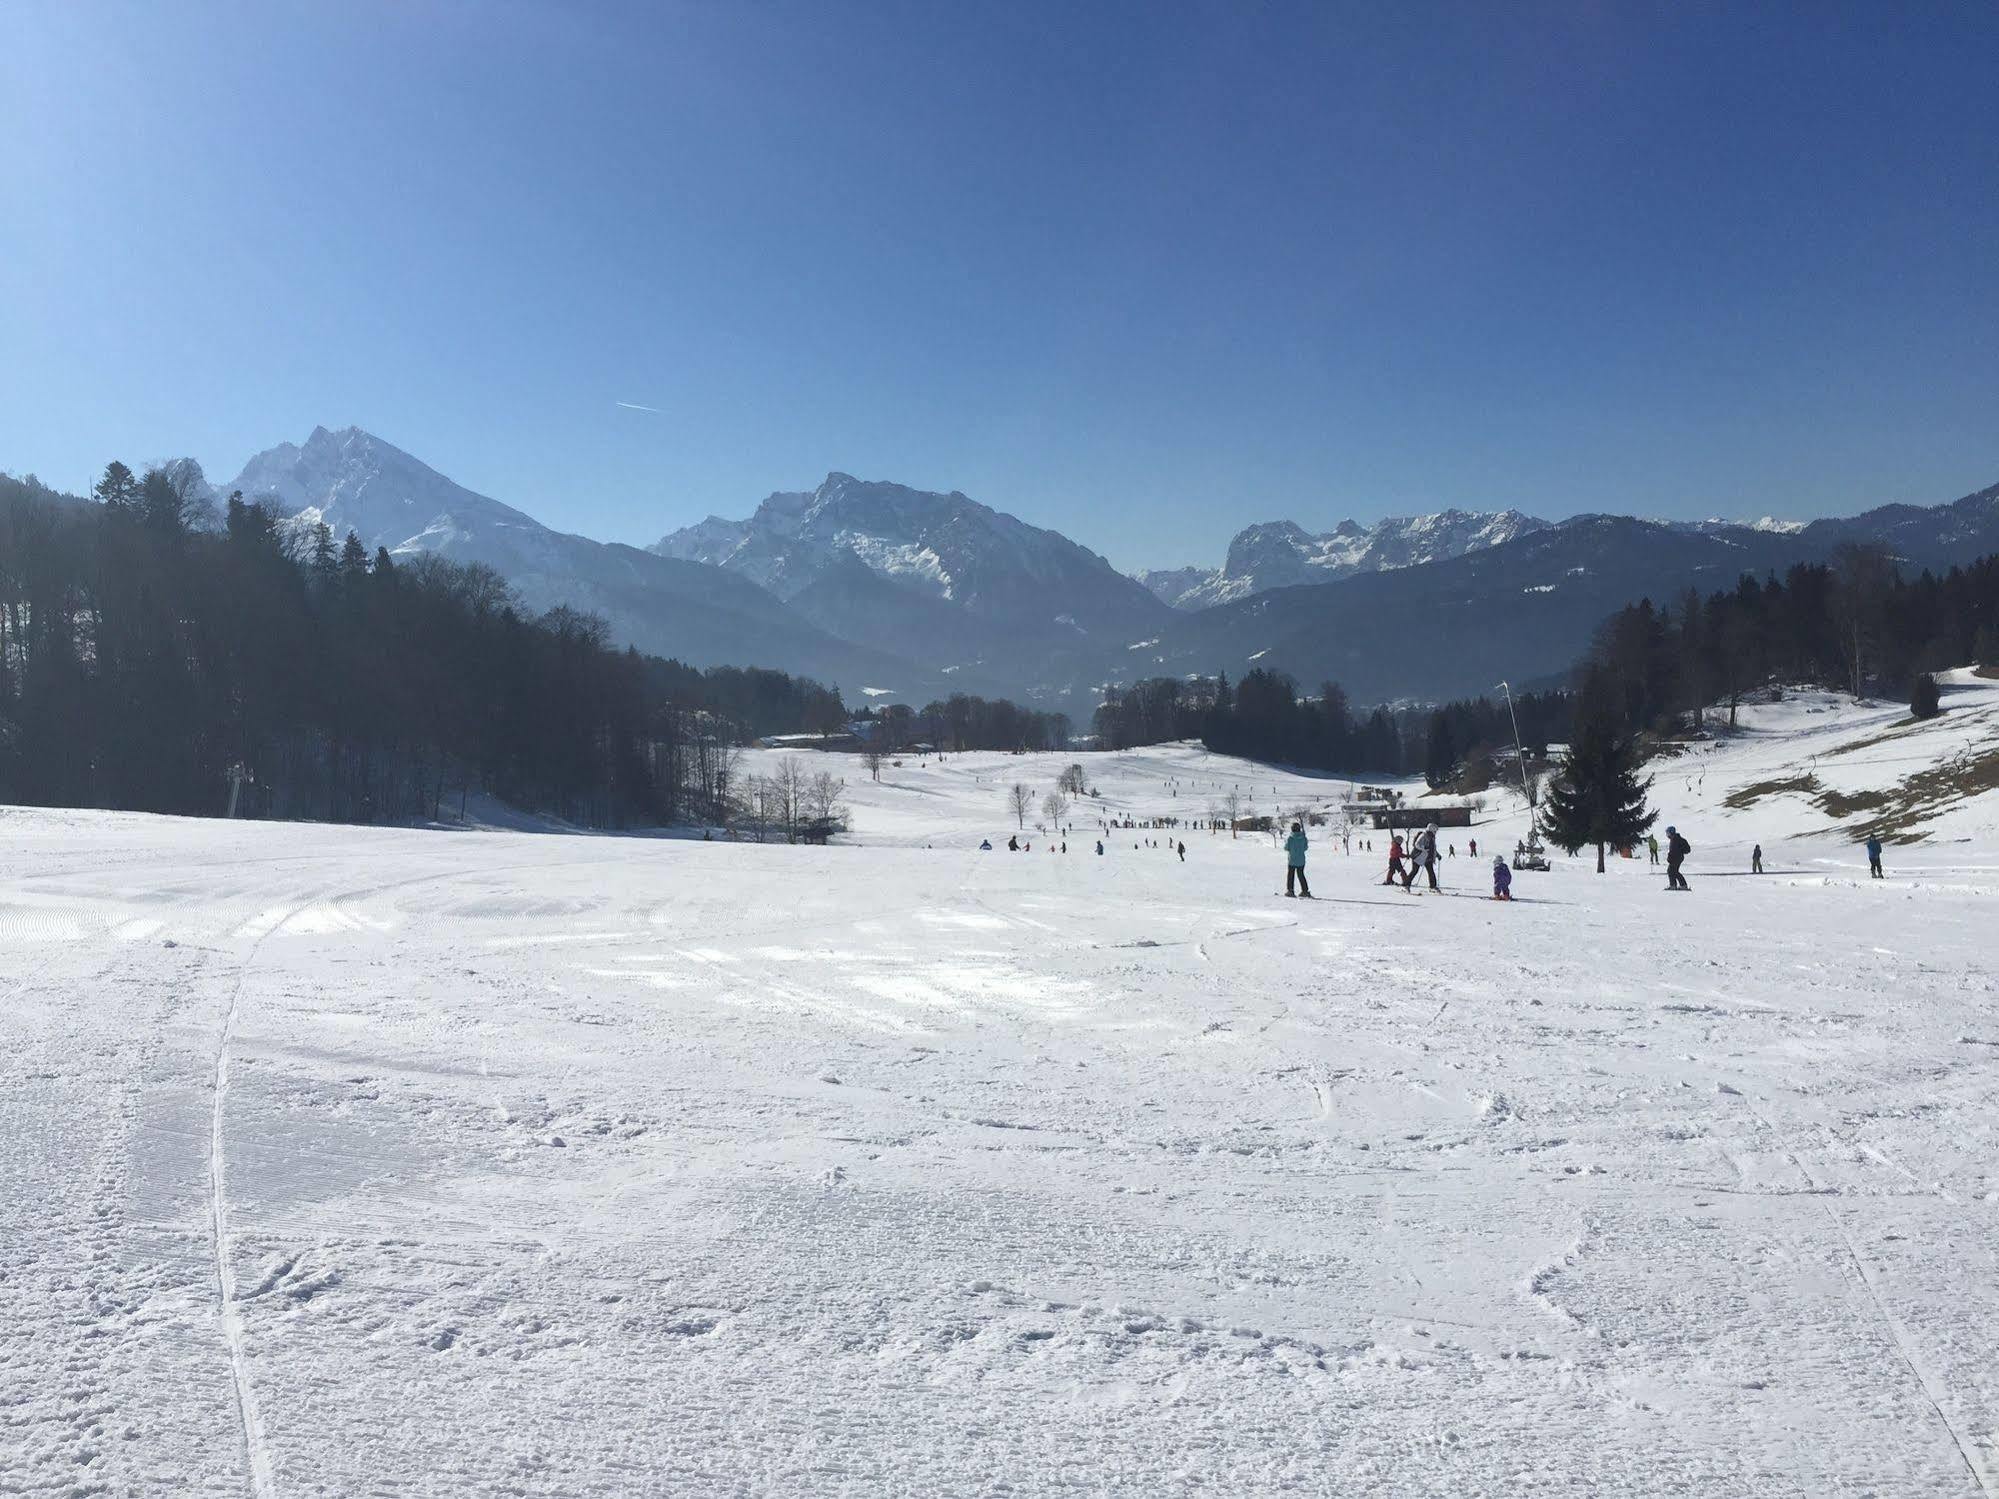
<point>346,1160</point>
<point>257,1462</point>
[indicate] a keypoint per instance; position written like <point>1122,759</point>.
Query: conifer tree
<point>1440,759</point>
<point>118,490</point>
<point>321,559</point>
<point>1923,698</point>
<point>353,559</point>
<point>1596,795</point>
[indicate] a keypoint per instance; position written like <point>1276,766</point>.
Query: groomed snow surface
<point>344,1161</point>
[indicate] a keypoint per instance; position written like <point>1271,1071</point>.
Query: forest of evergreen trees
<point>965,722</point>
<point>1264,717</point>
<point>1854,624</point>
<point>150,656</point>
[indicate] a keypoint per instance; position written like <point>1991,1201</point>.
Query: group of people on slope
<point>1421,858</point>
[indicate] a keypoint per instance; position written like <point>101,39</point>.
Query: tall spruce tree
<point>1440,758</point>
<point>118,490</point>
<point>1596,795</point>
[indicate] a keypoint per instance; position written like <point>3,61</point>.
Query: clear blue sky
<point>1141,272</point>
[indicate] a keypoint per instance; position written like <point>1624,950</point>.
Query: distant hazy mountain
<point>1529,606</point>
<point>1521,610</point>
<point>1279,554</point>
<point>1932,536</point>
<point>703,615</point>
<point>939,577</point>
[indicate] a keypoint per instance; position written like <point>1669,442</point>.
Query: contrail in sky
<point>635,406</point>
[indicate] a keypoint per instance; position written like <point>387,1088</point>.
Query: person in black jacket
<point>1677,849</point>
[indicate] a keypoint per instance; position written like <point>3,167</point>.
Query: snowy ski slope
<point>342,1161</point>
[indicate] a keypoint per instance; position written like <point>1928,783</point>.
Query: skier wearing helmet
<point>1426,855</point>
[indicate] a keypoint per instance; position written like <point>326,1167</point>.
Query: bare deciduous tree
<point>1052,807</point>
<point>1022,801</point>
<point>788,784</point>
<point>825,798</point>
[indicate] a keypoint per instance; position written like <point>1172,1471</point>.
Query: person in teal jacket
<point>1294,862</point>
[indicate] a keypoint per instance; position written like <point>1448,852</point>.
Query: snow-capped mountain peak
<point>1277,554</point>
<point>353,480</point>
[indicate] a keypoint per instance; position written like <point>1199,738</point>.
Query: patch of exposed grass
<point>1895,730</point>
<point>1744,797</point>
<point>1897,813</point>
<point>1845,804</point>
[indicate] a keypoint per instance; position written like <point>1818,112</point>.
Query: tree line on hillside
<point>1855,625</point>
<point>965,722</point>
<point>155,656</point>
<point>1265,717</point>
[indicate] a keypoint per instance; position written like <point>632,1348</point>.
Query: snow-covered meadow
<point>344,1161</point>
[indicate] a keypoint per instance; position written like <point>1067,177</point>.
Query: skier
<point>985,845</point>
<point>1395,870</point>
<point>1756,859</point>
<point>1652,845</point>
<point>1874,856</point>
<point>1474,848</point>
<point>1294,862</point>
<point>1677,849</point>
<point>1100,848</point>
<point>1426,856</point>
<point>1013,843</point>
<point>1183,851</point>
<point>1502,879</point>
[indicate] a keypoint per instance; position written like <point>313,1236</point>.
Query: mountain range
<point>912,572</point>
<point>896,592</point>
<point>706,616</point>
<point>1278,554</point>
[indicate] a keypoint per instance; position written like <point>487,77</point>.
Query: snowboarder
<point>1294,862</point>
<point>1756,859</point>
<point>985,845</point>
<point>1395,870</point>
<point>1502,879</point>
<point>1652,845</point>
<point>1874,856</point>
<point>1677,849</point>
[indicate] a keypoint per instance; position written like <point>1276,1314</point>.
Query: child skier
<point>1395,861</point>
<point>1502,878</point>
